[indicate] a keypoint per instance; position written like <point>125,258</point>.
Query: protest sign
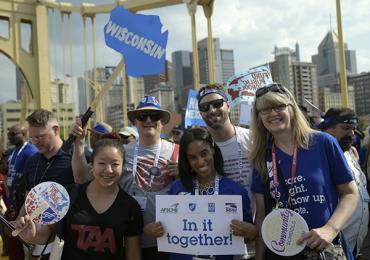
<point>245,114</point>
<point>139,38</point>
<point>192,115</point>
<point>242,87</point>
<point>199,225</point>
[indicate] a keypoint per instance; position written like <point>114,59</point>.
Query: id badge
<point>142,201</point>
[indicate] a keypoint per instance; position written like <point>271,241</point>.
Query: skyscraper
<point>361,86</point>
<point>327,61</point>
<point>182,64</point>
<point>299,77</point>
<point>223,62</point>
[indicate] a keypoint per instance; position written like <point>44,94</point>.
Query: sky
<point>251,28</point>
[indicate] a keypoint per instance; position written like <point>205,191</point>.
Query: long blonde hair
<point>302,131</point>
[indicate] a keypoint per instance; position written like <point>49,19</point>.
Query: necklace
<point>48,164</point>
<point>207,188</point>
<point>210,188</point>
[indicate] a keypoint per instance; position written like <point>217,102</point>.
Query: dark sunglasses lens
<point>217,103</point>
<point>153,117</point>
<point>203,107</point>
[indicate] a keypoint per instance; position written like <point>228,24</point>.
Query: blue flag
<point>139,38</point>
<point>192,116</point>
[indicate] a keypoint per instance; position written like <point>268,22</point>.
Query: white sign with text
<point>199,225</point>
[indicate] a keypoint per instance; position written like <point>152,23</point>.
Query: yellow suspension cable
<point>71,86</point>
<point>99,112</point>
<point>56,64</point>
<point>64,80</point>
<point>87,84</point>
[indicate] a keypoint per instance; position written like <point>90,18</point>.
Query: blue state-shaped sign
<point>139,38</point>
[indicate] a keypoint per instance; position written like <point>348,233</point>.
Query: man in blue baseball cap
<point>150,168</point>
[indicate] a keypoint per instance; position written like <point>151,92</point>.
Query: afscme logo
<point>171,209</point>
<point>230,207</point>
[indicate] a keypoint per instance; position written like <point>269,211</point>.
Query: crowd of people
<point>282,161</point>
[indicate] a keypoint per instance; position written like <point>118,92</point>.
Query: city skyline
<point>250,29</point>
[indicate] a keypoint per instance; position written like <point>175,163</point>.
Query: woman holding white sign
<point>201,173</point>
<point>301,174</point>
<point>95,226</point>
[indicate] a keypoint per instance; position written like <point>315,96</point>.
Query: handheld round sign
<point>50,200</point>
<point>281,229</point>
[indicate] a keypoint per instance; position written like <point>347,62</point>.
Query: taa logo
<point>230,207</point>
<point>211,207</point>
<point>173,209</point>
<point>192,206</point>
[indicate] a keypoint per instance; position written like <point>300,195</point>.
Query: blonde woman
<point>311,174</point>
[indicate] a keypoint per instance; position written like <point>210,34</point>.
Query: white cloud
<point>250,28</point>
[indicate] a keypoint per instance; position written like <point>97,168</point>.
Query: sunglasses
<point>273,88</point>
<point>144,116</point>
<point>216,104</point>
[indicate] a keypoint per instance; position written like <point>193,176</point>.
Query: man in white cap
<point>128,135</point>
<point>149,170</point>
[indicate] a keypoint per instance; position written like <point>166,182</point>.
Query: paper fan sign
<point>242,87</point>
<point>52,198</point>
<point>281,229</point>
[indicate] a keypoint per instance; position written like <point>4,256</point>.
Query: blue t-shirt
<point>17,160</point>
<point>319,170</point>
<point>226,187</point>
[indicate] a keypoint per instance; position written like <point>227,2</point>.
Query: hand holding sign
<point>47,203</point>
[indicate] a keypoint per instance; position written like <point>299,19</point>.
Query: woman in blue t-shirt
<point>201,173</point>
<point>299,168</point>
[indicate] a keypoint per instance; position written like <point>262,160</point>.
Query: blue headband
<point>206,91</point>
<point>330,121</point>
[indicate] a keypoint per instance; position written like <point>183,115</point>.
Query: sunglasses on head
<point>154,116</point>
<point>273,88</point>
<point>204,107</point>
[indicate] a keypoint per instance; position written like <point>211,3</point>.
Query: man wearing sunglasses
<point>232,140</point>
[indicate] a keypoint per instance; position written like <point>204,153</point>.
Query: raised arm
<point>80,166</point>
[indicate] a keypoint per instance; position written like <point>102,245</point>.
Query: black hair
<point>101,144</point>
<point>341,111</point>
<point>186,174</point>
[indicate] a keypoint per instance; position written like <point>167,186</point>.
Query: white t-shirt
<point>144,185</point>
<point>238,168</point>
<point>236,164</point>
<point>356,227</point>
